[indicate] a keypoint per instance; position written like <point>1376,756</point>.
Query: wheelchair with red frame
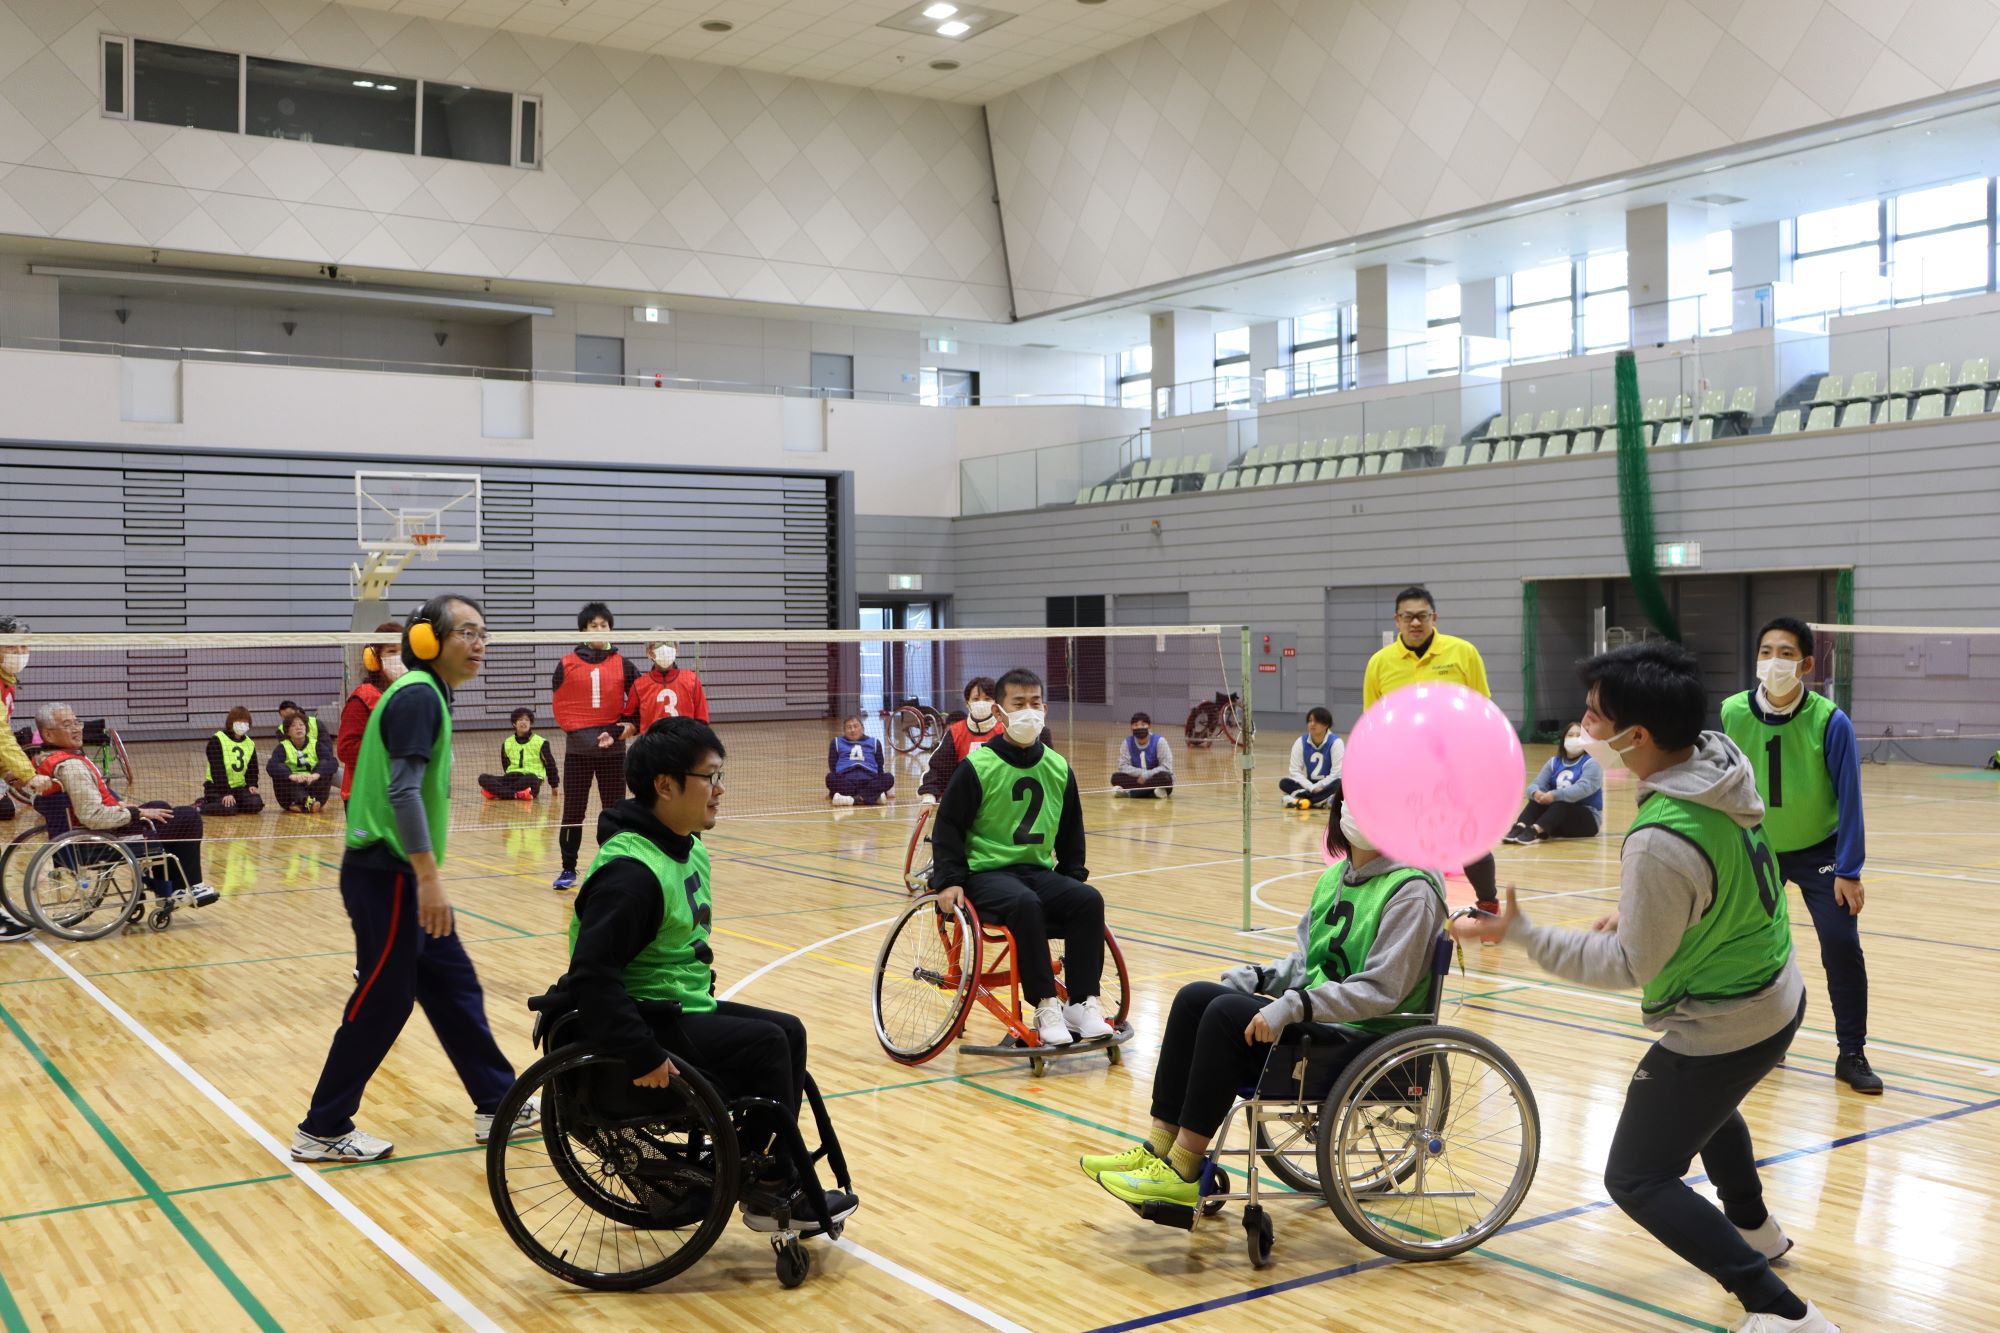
<point>935,966</point>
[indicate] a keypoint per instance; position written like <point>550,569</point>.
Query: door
<point>1160,677</point>
<point>958,388</point>
<point>1357,619</point>
<point>599,360</point>
<point>832,375</point>
<point>893,673</point>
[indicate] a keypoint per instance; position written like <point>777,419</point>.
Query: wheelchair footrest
<point>1167,1214</point>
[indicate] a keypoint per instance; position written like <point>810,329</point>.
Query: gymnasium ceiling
<point>834,41</point>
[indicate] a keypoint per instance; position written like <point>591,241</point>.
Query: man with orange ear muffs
<point>383,663</point>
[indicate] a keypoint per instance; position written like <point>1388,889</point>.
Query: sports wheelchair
<point>622,1187</point>
<point>79,884</point>
<point>933,967</point>
<point>1423,1142</point>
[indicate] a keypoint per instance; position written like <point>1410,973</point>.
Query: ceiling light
<point>958,20</point>
<point>940,11</point>
<point>717,25</point>
<point>954,29</point>
<point>364,83</point>
<point>385,87</point>
<point>944,66</point>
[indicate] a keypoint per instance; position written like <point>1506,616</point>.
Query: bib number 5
<point>1764,866</point>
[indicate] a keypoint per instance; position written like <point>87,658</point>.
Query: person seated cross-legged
<point>1315,763</point>
<point>300,768</point>
<point>1567,798</point>
<point>857,771</point>
<point>641,933</point>
<point>526,762</point>
<point>1145,762</point>
<point>1009,838</point>
<point>229,782</point>
<point>1365,947</point>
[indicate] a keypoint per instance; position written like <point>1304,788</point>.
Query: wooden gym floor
<point>130,1198</point>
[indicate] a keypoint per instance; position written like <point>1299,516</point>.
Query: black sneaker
<point>1853,1070</point>
<point>12,930</point>
<point>759,1210</point>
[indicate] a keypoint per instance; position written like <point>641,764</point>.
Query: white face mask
<point>1350,831</point>
<point>1778,675</point>
<point>1024,725</point>
<point>979,709</point>
<point>1606,751</point>
<point>13,663</point>
<point>1573,745</point>
<point>663,656</point>
<point>392,667</point>
<point>239,729</point>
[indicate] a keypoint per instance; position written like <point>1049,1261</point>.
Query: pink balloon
<point>1435,775</point>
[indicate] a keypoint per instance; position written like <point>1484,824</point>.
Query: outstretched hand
<point>1485,926</point>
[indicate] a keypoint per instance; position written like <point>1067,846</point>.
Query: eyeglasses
<point>713,779</point>
<point>1415,617</point>
<point>472,633</point>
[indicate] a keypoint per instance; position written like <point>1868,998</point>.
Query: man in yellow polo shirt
<point>1421,653</point>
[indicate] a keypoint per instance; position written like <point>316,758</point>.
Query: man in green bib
<point>1702,933</point>
<point>1809,774</point>
<point>641,933</point>
<point>406,951</point>
<point>1364,951</point>
<point>1009,837</point>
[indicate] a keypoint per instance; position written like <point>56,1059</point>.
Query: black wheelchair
<point>78,884</point>
<point>622,1187</point>
<point>1423,1142</point>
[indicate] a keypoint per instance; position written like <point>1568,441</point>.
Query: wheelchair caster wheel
<point>161,918</point>
<point>793,1263</point>
<point>1115,1055</point>
<point>1037,1065</point>
<point>1257,1235</point>
<point>1217,1182</point>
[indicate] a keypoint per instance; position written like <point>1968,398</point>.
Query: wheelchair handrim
<point>903,985</point>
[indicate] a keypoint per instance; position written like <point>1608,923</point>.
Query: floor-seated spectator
<point>856,771</point>
<point>1315,763</point>
<point>300,768</point>
<point>175,829</point>
<point>526,762</point>
<point>1567,800</point>
<point>1145,762</point>
<point>229,786</point>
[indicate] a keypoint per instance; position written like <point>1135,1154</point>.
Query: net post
<point>1246,763</point>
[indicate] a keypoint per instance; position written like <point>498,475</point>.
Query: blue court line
<point>1366,1265</point>
<point>1943,944</point>
<point>1634,1036</point>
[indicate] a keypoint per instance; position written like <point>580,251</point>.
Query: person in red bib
<point>667,690</point>
<point>175,829</point>
<point>590,687</point>
<point>383,663</point>
<point>15,766</point>
<point>961,738</point>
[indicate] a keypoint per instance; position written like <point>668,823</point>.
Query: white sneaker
<point>842,798</point>
<point>1086,1019</point>
<point>200,895</point>
<point>1813,1322</point>
<point>531,1115</point>
<point>1050,1024</point>
<point>1120,791</point>
<point>353,1146</point>
<point>1768,1240</point>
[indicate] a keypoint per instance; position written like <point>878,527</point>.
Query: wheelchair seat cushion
<point>1325,1050</point>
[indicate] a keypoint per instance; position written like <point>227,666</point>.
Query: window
<point>186,86</point>
<point>1316,348</point>
<point>1718,301</point>
<point>468,124</point>
<point>1606,303</point>
<point>1135,376</point>
<point>947,388</point>
<point>1540,321</point>
<point>1080,660</point>
<point>1943,242</point>
<point>116,99</point>
<point>314,104</point>
<point>528,146</point>
<point>1232,368</point>
<point>1838,267</point>
<point>1441,311</point>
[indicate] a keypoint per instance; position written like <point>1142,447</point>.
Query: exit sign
<point>1677,555</point>
<point>906,583</point>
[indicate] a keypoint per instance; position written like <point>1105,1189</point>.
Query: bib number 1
<point>1774,759</point>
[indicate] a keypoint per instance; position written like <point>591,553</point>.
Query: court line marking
<point>181,1222</point>
<point>776,963</point>
<point>965,1305</point>
<point>423,1273</point>
<point>10,1313</point>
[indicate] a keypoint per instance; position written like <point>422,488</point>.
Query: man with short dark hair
<point>406,948</point>
<point>1145,762</point>
<point>1009,838</point>
<point>1422,653</point>
<point>1315,762</point>
<point>1702,932</point>
<point>1809,773</point>
<point>589,689</point>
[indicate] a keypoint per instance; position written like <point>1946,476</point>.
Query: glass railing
<point>1060,474</point>
<point>1317,375</point>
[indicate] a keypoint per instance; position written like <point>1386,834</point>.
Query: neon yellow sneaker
<point>1130,1160</point>
<point>1153,1181</point>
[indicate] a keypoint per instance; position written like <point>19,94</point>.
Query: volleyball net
<point>1925,693</point>
<point>153,704</point>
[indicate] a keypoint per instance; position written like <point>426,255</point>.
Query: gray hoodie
<point>1666,886</point>
<point>1398,958</point>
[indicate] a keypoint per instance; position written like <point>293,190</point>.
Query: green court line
<point>969,1081</point>
<point>886,1087</point>
<point>467,911</point>
<point>10,1313</point>
<point>189,1233</point>
<point>276,958</point>
<point>74,1207</point>
<point>1619,1296</point>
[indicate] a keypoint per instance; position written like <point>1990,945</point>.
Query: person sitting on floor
<point>856,771</point>
<point>230,784</point>
<point>526,762</point>
<point>961,738</point>
<point>1567,800</point>
<point>1315,764</point>
<point>1145,762</point>
<point>175,829</point>
<point>300,768</point>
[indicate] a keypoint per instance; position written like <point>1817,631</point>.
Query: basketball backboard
<point>400,512</point>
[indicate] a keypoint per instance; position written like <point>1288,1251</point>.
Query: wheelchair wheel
<point>14,859</point>
<point>1290,1147</point>
<point>923,981</point>
<point>607,1200</point>
<point>907,727</point>
<point>916,860</point>
<point>1428,1143</point>
<point>82,886</point>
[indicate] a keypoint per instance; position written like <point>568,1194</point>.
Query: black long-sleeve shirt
<point>619,910</point>
<point>959,806</point>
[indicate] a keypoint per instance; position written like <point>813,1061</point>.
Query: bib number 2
<point>1025,833</point>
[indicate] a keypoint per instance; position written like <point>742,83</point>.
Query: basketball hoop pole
<point>372,581</point>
